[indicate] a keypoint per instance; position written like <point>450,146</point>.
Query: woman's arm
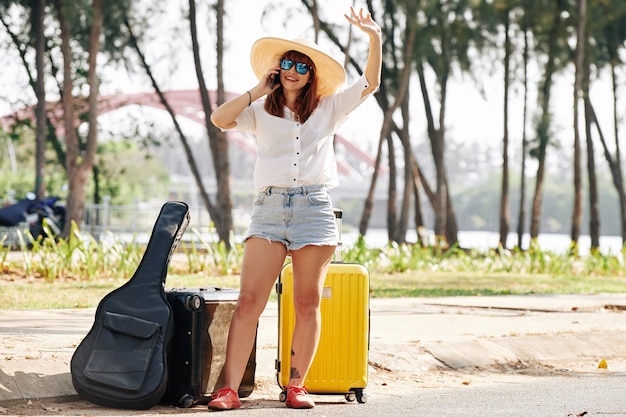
<point>224,116</point>
<point>374,59</point>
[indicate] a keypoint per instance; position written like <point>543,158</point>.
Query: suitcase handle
<point>338,222</point>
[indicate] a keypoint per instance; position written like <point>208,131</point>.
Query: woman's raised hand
<point>363,21</point>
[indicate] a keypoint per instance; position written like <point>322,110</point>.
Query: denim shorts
<point>296,217</point>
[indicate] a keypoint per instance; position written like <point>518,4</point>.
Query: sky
<point>177,72</point>
<point>471,116</point>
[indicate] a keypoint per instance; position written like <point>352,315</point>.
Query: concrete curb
<point>408,335</point>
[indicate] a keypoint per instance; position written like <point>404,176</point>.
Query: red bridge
<point>185,103</point>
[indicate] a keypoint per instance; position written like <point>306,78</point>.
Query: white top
<point>293,154</point>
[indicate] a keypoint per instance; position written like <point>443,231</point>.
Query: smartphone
<point>275,80</point>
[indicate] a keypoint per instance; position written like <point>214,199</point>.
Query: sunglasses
<point>301,67</point>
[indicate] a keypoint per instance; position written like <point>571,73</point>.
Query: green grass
<point>78,272</point>
<point>445,284</point>
<point>39,294</point>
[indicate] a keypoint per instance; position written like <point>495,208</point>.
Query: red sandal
<point>298,397</point>
<point>224,399</point>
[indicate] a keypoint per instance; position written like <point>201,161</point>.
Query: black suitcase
<point>201,320</point>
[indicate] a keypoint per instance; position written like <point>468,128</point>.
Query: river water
<point>559,243</point>
<point>482,241</point>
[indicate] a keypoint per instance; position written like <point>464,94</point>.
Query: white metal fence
<point>134,218</point>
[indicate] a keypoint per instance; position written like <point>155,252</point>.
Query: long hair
<point>308,99</point>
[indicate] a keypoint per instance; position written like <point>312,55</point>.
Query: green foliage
<point>403,258</point>
<point>213,257</point>
<point>120,172</point>
<point>78,257</point>
<point>17,184</point>
<point>122,167</point>
<point>81,270</point>
<point>82,257</point>
<point>17,164</point>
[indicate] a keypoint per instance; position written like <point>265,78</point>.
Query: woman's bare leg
<point>310,265</point>
<point>262,262</point>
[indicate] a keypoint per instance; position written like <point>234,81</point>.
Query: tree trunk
<point>40,91</point>
<point>521,219</point>
<point>439,196</point>
<point>579,61</point>
<point>218,143</point>
<point>452,228</point>
<point>441,192</point>
<point>616,173</point>
<point>183,139</point>
<point>392,197</point>
<point>48,127</point>
<point>368,204</point>
<point>594,209</point>
<point>385,131</point>
<point>409,179</point>
<point>420,228</point>
<point>504,194</point>
<point>80,164</point>
<point>616,169</point>
<point>76,194</point>
<point>543,128</point>
<point>89,155</point>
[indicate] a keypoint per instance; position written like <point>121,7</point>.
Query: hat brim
<point>266,52</point>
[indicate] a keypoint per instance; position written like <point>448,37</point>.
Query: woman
<point>293,212</point>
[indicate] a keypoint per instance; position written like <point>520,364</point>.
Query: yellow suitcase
<point>340,365</point>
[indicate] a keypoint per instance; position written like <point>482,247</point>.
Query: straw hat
<point>266,52</point>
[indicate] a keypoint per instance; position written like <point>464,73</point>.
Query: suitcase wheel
<point>194,302</point>
<point>361,397</point>
<point>186,401</point>
<point>357,395</point>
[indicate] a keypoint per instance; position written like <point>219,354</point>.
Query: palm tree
<point>579,63</point>
<point>505,217</point>
<point>221,212</point>
<point>448,32</point>
<point>608,29</point>
<point>37,16</point>
<point>39,11</point>
<point>521,219</point>
<point>549,30</point>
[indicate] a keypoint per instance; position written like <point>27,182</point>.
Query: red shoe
<point>298,397</point>
<point>224,399</point>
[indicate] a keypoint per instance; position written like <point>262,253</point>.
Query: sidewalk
<point>410,338</point>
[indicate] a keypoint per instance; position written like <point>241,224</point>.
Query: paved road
<point>532,356</point>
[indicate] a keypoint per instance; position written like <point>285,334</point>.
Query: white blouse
<point>292,154</point>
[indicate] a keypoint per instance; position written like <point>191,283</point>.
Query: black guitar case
<point>123,360</point>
